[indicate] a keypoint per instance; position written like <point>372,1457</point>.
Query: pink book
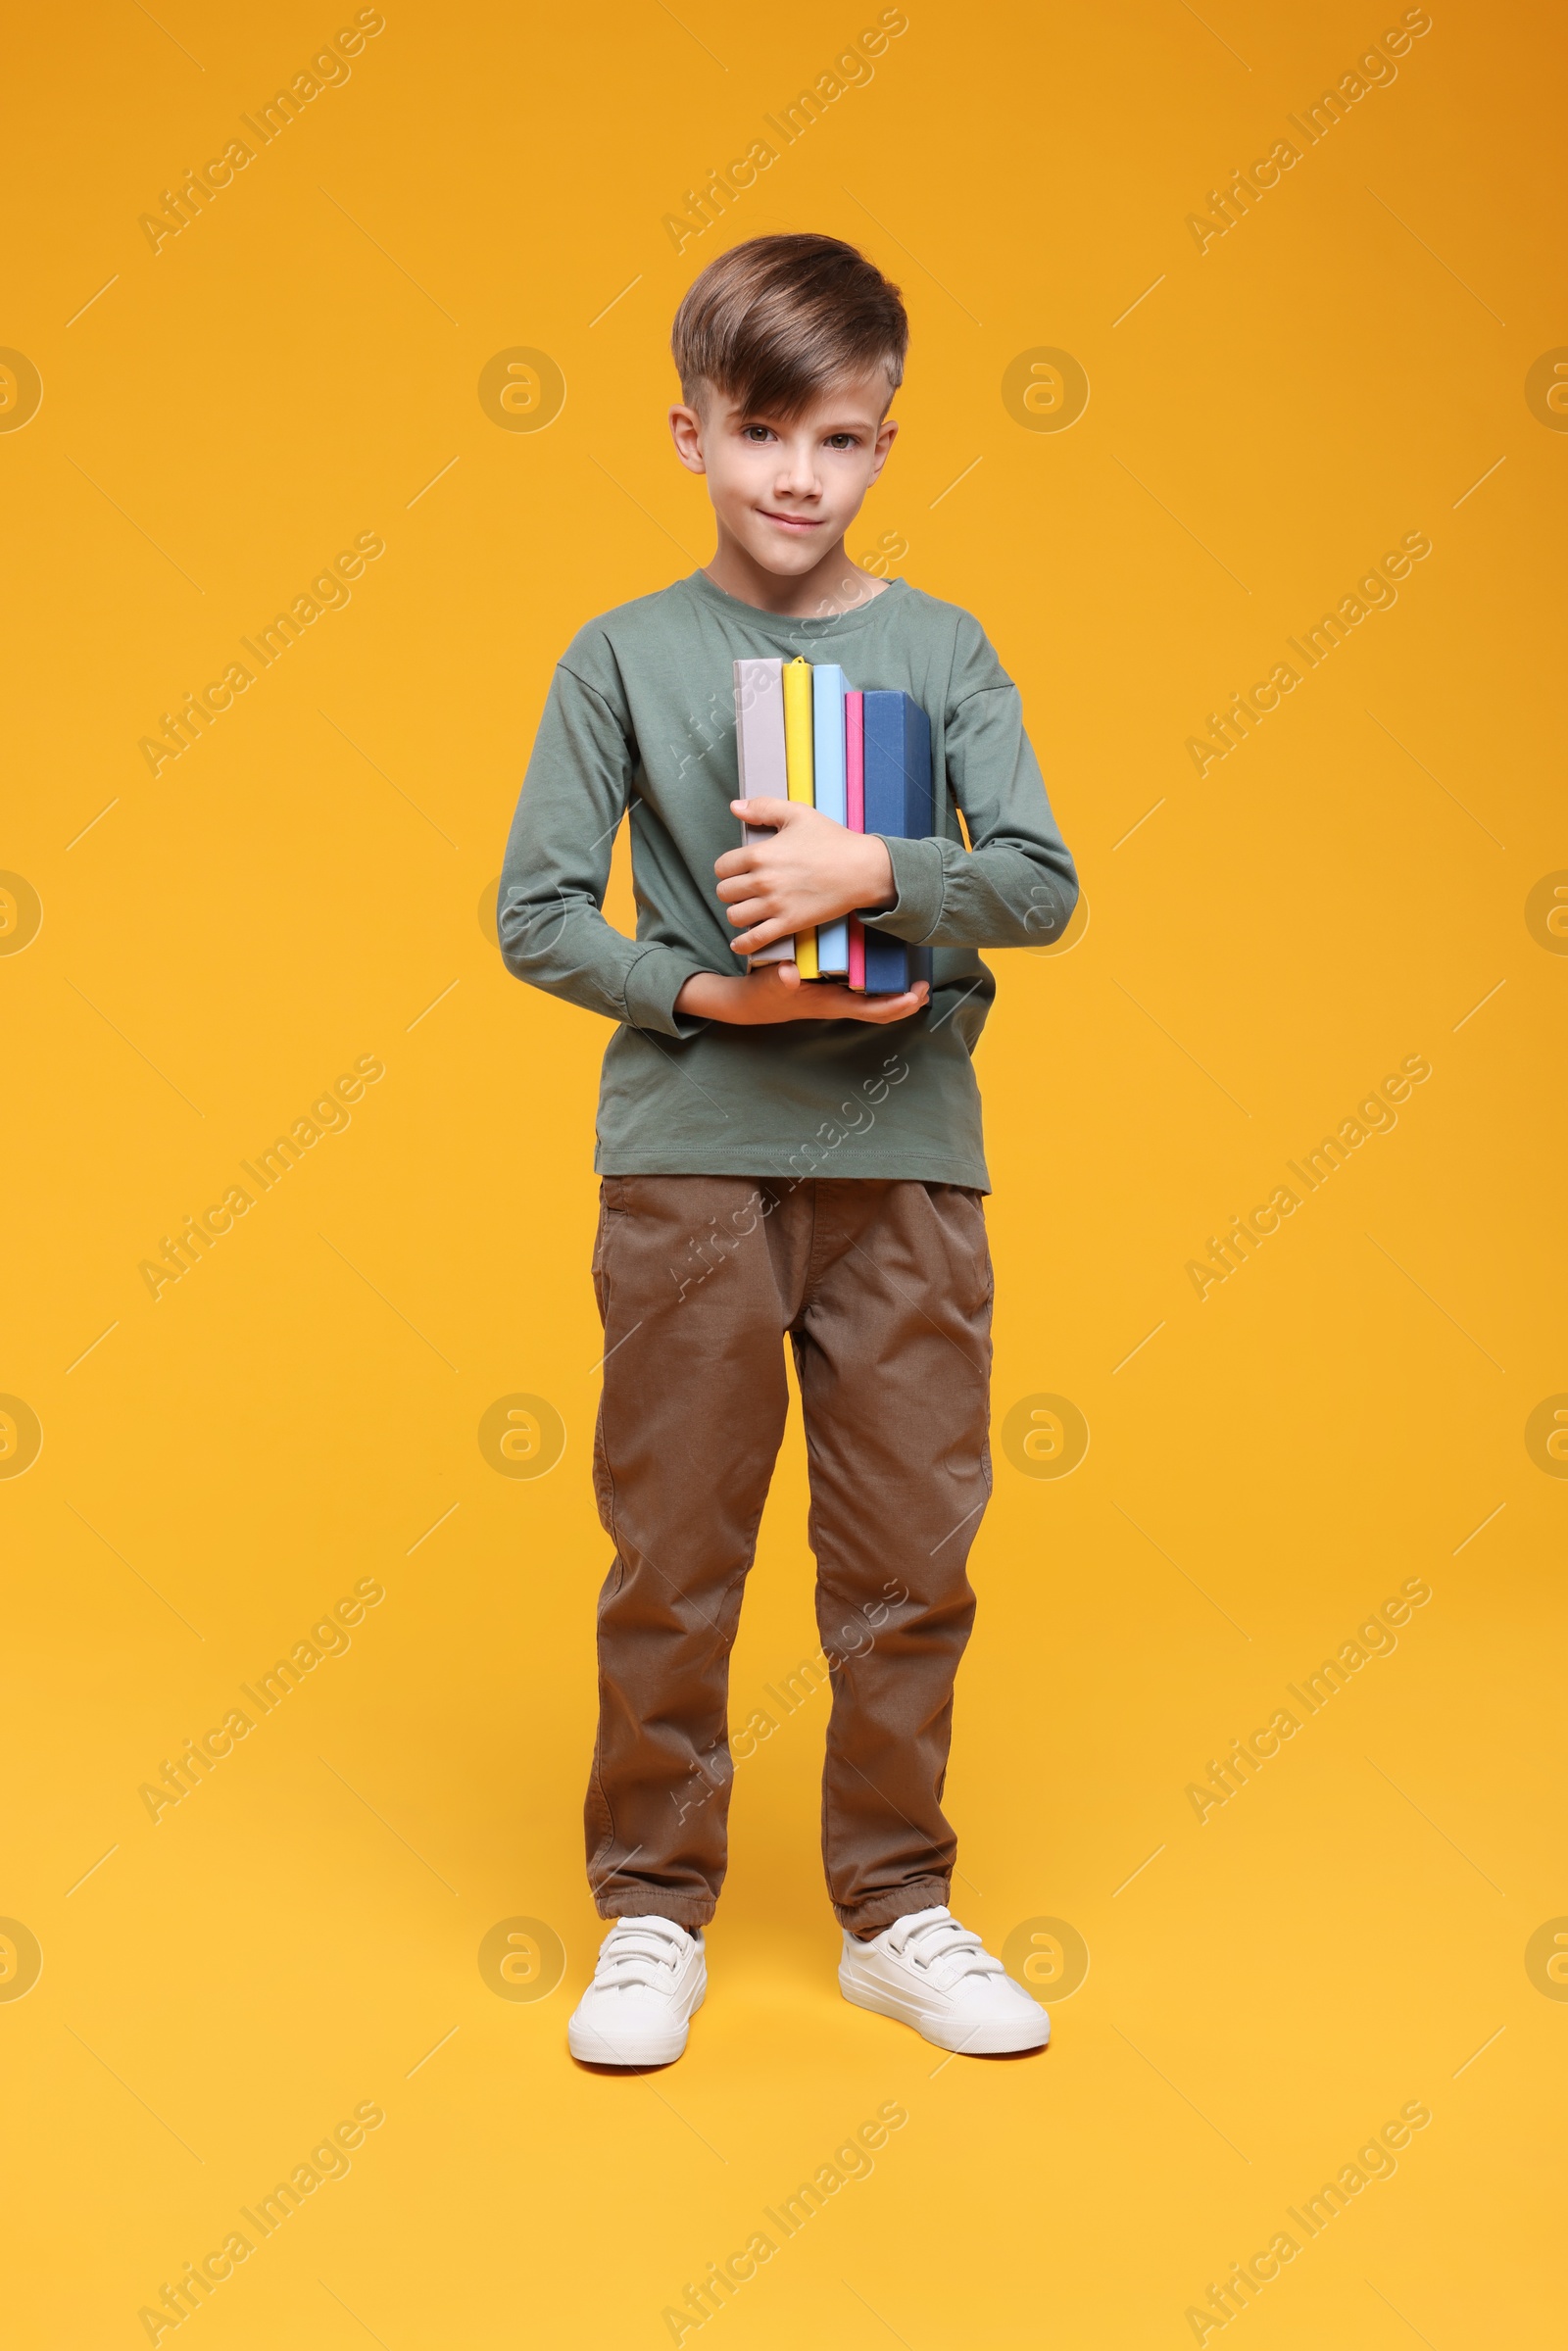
<point>855,799</point>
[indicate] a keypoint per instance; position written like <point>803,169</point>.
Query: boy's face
<point>787,492</point>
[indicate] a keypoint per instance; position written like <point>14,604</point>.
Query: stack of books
<point>863,758</point>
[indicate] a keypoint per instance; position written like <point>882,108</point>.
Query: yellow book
<point>798,731</point>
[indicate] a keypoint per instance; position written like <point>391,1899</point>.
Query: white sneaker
<point>931,1973</point>
<point>650,1979</point>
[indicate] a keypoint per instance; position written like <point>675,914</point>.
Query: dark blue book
<point>900,803</point>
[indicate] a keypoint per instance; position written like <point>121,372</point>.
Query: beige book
<point>763,764</point>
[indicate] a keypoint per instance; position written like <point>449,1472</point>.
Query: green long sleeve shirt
<point>640,723</point>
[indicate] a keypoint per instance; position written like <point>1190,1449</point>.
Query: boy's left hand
<point>807,869</point>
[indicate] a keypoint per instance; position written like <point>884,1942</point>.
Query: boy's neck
<point>833,585</point>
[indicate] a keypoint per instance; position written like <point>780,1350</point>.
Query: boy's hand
<point>807,870</point>
<point>775,992</point>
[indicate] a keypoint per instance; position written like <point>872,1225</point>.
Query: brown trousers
<point>885,1291</point>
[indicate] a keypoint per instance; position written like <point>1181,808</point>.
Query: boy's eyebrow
<point>747,417</point>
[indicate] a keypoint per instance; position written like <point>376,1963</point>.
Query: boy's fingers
<point>768,978</point>
<point>767,812</point>
<point>899,1008</point>
<point>847,1003</point>
<point>744,911</point>
<point>765,934</point>
<point>736,860</point>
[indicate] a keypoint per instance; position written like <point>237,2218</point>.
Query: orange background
<point>299,1413</point>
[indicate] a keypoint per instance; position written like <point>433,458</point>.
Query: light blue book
<point>827,757</point>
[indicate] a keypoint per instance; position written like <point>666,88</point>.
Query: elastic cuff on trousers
<point>651,1904</point>
<point>926,1894</point>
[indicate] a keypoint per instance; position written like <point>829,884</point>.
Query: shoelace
<point>934,1942</point>
<point>643,1950</point>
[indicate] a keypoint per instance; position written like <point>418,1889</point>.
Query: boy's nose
<point>798,475</point>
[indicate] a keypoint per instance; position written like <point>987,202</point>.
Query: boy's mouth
<point>791,522</point>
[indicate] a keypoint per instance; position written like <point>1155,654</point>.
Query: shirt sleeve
<point>1015,885</point>
<point>553,932</point>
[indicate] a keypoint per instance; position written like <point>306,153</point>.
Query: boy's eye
<point>757,433</point>
<point>843,440</point>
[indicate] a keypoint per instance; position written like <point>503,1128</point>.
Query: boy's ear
<point>686,430</point>
<point>887,434</point>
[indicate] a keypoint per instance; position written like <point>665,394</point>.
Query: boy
<point>780,1155</point>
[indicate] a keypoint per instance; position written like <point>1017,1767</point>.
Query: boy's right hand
<point>775,992</point>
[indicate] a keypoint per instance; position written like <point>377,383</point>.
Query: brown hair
<point>774,322</point>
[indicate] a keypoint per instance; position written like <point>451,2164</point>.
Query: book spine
<point>854,816</point>
<point>798,751</point>
<point>760,763</point>
<point>887,962</point>
<point>919,809</point>
<point>831,789</point>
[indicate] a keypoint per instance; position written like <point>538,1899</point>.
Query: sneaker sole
<point>589,2048</point>
<point>994,2037</point>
